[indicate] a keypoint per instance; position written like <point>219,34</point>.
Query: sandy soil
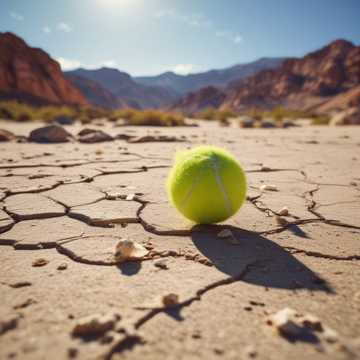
<point>64,209</point>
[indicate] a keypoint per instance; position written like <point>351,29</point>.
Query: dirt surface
<point>195,295</point>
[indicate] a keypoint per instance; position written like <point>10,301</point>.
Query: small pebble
<point>62,266</point>
<point>268,188</point>
<point>250,351</point>
<point>130,197</point>
<point>284,211</point>
<point>330,335</point>
<point>312,322</point>
<point>170,300</point>
<point>284,323</point>
<point>162,264</point>
<point>95,325</point>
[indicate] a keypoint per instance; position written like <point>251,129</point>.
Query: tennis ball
<point>206,184</point>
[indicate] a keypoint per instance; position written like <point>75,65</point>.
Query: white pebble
<point>268,188</point>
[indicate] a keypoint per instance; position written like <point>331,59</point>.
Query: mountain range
<point>324,80</point>
<point>183,84</point>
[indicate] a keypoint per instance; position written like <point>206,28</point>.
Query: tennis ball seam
<point>215,167</point>
<point>188,195</point>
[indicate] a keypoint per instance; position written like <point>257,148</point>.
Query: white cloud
<point>46,29</point>
<point>62,26</point>
<point>229,35</point>
<point>16,16</point>
<point>183,69</point>
<point>68,64</point>
<point>71,64</point>
<point>109,63</point>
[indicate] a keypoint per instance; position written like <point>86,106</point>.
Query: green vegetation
<point>17,111</point>
<point>278,113</point>
<point>320,120</point>
<point>148,117</point>
<point>214,114</point>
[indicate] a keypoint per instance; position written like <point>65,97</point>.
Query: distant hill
<point>183,84</point>
<point>95,93</point>
<point>324,76</point>
<point>301,83</point>
<point>30,74</point>
<point>124,88</point>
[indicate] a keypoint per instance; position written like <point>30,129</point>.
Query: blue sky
<point>146,37</point>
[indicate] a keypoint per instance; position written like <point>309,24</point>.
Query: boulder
<point>50,134</point>
<point>246,122</point>
<point>91,136</point>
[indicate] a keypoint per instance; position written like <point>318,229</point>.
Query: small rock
<point>196,334</point>
<point>330,335</point>
<point>268,188</point>
<point>312,322</point>
<point>152,138</point>
<point>6,135</point>
<point>170,300</point>
<point>283,211</point>
<point>162,264</point>
<point>91,136</point>
<point>284,323</point>
<point>95,325</point>
<point>130,197</point>
<point>229,236</point>
<point>62,266</point>
<point>50,134</point>
<point>8,323</point>
<point>250,352</point>
<point>265,169</point>
<point>129,250</point>
<point>225,233</point>
<point>40,262</point>
<point>73,352</point>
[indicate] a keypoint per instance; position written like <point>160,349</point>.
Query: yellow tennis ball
<point>206,184</point>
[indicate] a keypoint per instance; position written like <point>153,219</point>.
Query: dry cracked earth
<point>284,284</point>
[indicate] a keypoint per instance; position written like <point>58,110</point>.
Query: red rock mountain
<point>207,97</point>
<point>301,83</point>
<point>329,75</point>
<point>31,74</point>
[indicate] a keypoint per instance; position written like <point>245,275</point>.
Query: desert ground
<point>282,280</point>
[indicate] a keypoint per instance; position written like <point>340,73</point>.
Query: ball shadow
<point>271,265</point>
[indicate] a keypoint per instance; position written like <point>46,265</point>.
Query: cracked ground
<point>64,207</point>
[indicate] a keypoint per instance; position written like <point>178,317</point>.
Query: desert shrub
<point>278,113</point>
<point>18,111</point>
<point>207,114</point>
<point>156,118</point>
<point>320,120</point>
<point>213,114</point>
<point>148,117</point>
<point>126,114</point>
